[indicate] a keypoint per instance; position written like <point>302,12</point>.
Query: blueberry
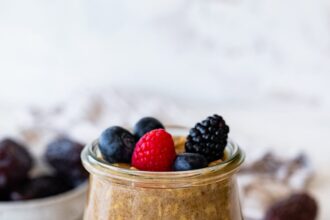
<point>15,163</point>
<point>189,161</point>
<point>117,145</point>
<point>63,154</point>
<point>39,187</point>
<point>145,125</point>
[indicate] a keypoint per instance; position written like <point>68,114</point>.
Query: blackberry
<point>208,138</point>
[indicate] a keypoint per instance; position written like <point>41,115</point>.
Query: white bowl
<point>66,206</point>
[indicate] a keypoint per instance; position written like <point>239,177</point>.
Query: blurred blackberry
<point>63,154</point>
<point>208,138</point>
<point>300,206</point>
<point>4,195</point>
<point>39,187</point>
<point>15,163</point>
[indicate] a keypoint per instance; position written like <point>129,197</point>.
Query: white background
<point>209,50</point>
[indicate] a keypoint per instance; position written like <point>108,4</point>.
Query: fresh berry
<point>117,145</point>
<point>63,154</point>
<point>76,176</point>
<point>298,206</point>
<point>208,138</point>
<point>4,195</point>
<point>154,152</point>
<point>39,187</point>
<point>146,124</point>
<point>15,163</point>
<point>189,161</point>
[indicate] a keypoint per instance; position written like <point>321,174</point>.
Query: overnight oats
<point>164,173</point>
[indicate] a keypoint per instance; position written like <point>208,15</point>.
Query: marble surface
<point>210,51</point>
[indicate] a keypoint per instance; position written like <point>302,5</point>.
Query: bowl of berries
<point>51,186</point>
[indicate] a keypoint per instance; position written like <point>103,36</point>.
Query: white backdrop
<point>211,50</point>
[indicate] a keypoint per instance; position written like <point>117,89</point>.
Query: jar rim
<point>94,164</point>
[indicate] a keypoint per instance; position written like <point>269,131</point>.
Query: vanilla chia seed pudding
<point>191,184</point>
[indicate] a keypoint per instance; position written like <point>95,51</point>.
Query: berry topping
<point>39,187</point>
<point>15,163</point>
<point>63,154</point>
<point>189,161</point>
<point>208,138</point>
<point>145,125</point>
<point>297,206</point>
<point>154,151</point>
<point>117,145</point>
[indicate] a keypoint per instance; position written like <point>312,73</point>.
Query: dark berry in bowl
<point>76,176</point>
<point>117,145</point>
<point>4,195</point>
<point>189,161</point>
<point>297,206</point>
<point>63,154</point>
<point>40,187</point>
<point>15,163</point>
<point>146,124</point>
<point>208,138</point>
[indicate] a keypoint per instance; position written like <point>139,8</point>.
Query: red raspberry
<point>154,151</point>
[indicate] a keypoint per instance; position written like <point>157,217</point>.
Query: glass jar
<point>127,194</point>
